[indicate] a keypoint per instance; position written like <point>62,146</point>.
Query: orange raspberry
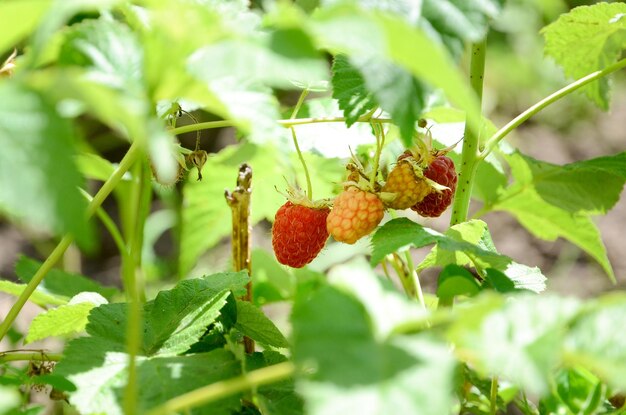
<point>408,188</point>
<point>355,214</point>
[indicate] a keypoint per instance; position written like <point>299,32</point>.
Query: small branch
<point>469,157</point>
<point>415,279</point>
<point>517,121</point>
<point>294,114</point>
<point>27,355</point>
<point>59,250</point>
<point>218,390</point>
<point>239,202</point>
<point>493,398</point>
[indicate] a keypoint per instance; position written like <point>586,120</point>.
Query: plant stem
<point>140,195</point>
<point>517,121</point>
<point>294,114</point>
<point>415,279</point>
<point>493,398</point>
<point>225,388</point>
<point>469,157</point>
<point>285,123</point>
<point>110,225</point>
<point>66,241</point>
<point>17,355</point>
<point>380,142</point>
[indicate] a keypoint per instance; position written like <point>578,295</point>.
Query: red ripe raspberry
<point>355,214</point>
<point>407,187</point>
<point>299,234</point>
<point>441,170</point>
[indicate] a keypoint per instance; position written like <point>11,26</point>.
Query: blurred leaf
<point>94,166</point>
<point>455,281</point>
<point>577,391</point>
<point>109,50</point>
<point>596,341</point>
<point>19,19</point>
<point>252,322</point>
<point>271,281</point>
<point>349,90</point>
<point>455,22</point>
<point>56,381</point>
<point>39,296</point>
<point>100,373</point>
<point>588,39</point>
<point>364,374</point>
<point>206,217</point>
<point>357,32</point>
<point>10,398</point>
<point>59,282</point>
<point>60,321</point>
<point>519,340</point>
<point>36,141</point>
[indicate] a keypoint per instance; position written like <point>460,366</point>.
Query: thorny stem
<point>22,355</point>
<point>239,202</point>
<point>469,157</point>
<point>59,250</point>
<point>294,114</point>
<point>517,121</point>
<point>218,390</point>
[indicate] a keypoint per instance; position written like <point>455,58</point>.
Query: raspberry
<point>409,188</point>
<point>441,170</point>
<point>355,214</point>
<point>299,234</point>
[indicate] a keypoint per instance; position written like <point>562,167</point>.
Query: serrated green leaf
<point>519,340</point>
<point>364,373</point>
<point>32,134</point>
<point>39,297</point>
<point>206,217</point>
<point>588,39</point>
<point>252,322</point>
<point>61,321</point>
<point>397,234</point>
<point>59,282</point>
<point>19,19</point>
<point>349,90</point>
<point>596,342</point>
<point>454,281</point>
<point>100,373</point>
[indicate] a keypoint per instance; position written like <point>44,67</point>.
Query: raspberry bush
<point>141,286</point>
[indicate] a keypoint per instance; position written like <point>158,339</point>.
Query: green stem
<point>294,114</point>
<point>517,121</point>
<point>131,268</point>
<point>469,157</point>
<point>110,225</point>
<point>225,388</point>
<point>415,279</point>
<point>17,356</point>
<point>285,123</point>
<point>66,241</point>
<point>493,398</point>
<point>380,142</point>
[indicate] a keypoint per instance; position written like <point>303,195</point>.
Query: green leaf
<point>109,50</point>
<point>577,391</point>
<point>10,398</point>
<point>61,321</point>
<point>455,22</point>
<point>454,281</point>
<point>34,137</point>
<point>596,341</point>
<point>519,340</point>
<point>94,166</point>
<point>588,39</point>
<point>19,19</point>
<point>357,32</point>
<point>349,90</point>
<point>206,217</point>
<point>589,186</point>
<point>252,322</point>
<point>100,373</point>
<point>39,297</point>
<point>271,282</point>
<point>59,282</point>
<point>364,373</point>
<point>463,244</point>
